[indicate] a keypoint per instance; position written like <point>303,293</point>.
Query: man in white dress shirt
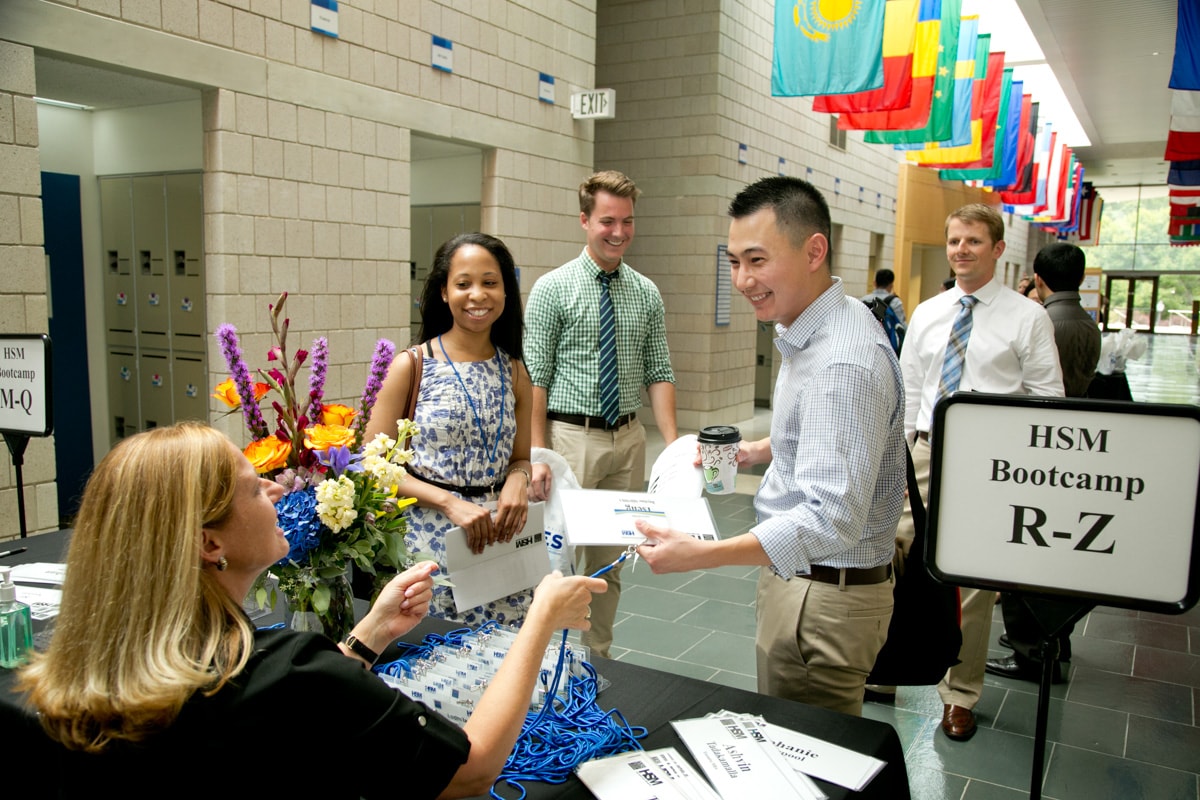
<point>1009,350</point>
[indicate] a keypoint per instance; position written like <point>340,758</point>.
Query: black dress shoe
<point>1004,642</point>
<point>1011,667</point>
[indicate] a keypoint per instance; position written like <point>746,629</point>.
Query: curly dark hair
<point>509,330</point>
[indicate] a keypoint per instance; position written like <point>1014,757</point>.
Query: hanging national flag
<point>1089,217</point>
<point>1185,71</point>
<point>899,40</point>
<point>927,119</point>
<point>968,74</point>
<point>1025,155</point>
<point>819,51</point>
<point>995,108</point>
<point>984,106</point>
<point>1075,202</point>
<point>1184,173</point>
<point>1183,135</point>
<point>1024,202</point>
<point>1019,108</point>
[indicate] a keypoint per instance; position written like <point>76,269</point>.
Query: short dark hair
<point>615,183</point>
<point>884,278</point>
<point>1060,266</point>
<point>800,209</point>
<point>509,330</point>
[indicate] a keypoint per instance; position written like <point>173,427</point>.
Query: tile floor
<point>1125,727</point>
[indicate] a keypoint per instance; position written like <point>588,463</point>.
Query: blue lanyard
<point>474,411</point>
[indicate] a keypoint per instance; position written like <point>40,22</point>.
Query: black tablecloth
<point>651,699</point>
<point>646,697</point>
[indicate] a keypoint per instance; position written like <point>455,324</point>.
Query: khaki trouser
<point>602,459</point>
<point>817,643</point>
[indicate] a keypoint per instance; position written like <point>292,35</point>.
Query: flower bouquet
<point>342,504</point>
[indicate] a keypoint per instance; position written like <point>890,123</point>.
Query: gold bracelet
<point>523,471</point>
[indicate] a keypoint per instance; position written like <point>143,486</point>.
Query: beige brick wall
<point>313,203</point>
<point>307,140</point>
<point>23,307</point>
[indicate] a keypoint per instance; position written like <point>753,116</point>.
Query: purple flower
<point>301,525</point>
<point>380,361</point>
<point>339,460</point>
<point>227,337</point>
<point>316,377</point>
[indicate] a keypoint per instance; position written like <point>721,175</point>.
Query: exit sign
<point>596,104</point>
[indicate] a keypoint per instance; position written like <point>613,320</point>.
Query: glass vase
<point>337,620</point>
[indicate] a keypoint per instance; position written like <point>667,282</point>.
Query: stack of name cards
<point>451,677</point>
<point>44,597</point>
<point>742,756</point>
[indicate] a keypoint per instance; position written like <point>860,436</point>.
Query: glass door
<point>1132,303</point>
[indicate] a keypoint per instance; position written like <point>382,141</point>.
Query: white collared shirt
<point>1011,350</point>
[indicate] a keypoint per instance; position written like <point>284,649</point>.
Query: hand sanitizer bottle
<point>16,624</point>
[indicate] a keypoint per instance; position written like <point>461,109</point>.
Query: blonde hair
<point>978,212</point>
<point>143,626</point>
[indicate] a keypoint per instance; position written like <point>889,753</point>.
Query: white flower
<point>379,446</point>
<point>335,503</point>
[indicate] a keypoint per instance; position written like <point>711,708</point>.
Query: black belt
<point>591,422</point>
<point>465,491</point>
<point>854,575</point>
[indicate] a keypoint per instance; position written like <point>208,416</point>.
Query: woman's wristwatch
<point>361,650</point>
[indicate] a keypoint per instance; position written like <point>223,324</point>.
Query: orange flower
<point>268,454</point>
<point>337,414</point>
<point>323,437</point>
<point>226,392</point>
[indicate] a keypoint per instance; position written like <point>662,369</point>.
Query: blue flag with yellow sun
<point>827,47</point>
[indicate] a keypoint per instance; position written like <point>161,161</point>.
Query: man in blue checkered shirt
<point>830,500</point>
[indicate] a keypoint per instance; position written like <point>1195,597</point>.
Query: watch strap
<point>360,649</point>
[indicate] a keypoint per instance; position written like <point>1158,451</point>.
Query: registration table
<point>651,699</point>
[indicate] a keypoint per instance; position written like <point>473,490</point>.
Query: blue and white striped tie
<point>956,349</point>
<point>610,399</point>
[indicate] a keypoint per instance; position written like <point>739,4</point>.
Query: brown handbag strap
<point>417,361</point>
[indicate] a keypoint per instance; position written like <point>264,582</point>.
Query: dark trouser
<point>1024,631</point>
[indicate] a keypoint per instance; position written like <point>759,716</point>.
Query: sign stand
<point>16,445</point>
<point>25,400</point>
<point>1052,621</point>
<point>1045,499</point>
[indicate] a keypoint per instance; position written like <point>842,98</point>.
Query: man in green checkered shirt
<point>562,353</point>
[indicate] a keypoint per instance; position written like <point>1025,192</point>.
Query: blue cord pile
<point>561,735</point>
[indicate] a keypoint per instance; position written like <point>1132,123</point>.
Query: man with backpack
<point>887,307</point>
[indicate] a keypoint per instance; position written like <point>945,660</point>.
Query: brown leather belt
<point>854,576</point>
<point>590,422</point>
<point>923,436</point>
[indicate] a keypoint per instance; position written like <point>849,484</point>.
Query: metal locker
<point>122,393</point>
<point>189,386</point>
<point>185,241</point>
<point>154,389</point>
<point>116,235</point>
<point>150,256</point>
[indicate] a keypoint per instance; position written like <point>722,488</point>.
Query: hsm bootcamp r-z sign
<point>1029,521</point>
<point>1066,497</point>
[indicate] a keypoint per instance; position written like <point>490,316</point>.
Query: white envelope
<point>599,516</point>
<point>502,568</point>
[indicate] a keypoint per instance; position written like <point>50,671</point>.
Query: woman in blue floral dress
<point>472,414</point>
